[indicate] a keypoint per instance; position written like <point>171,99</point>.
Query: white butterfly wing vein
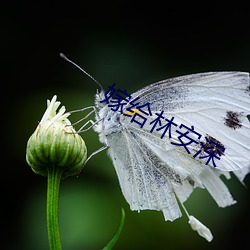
<point>142,183</point>
<point>203,101</point>
<point>149,175</point>
<point>190,173</point>
<point>151,170</point>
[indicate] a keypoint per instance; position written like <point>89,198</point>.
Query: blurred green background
<point>129,44</point>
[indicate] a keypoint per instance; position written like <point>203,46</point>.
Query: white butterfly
<point>156,174</point>
<point>153,173</point>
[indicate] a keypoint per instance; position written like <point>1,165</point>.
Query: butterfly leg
<point>83,109</point>
<point>81,129</point>
<point>94,153</point>
<point>84,118</point>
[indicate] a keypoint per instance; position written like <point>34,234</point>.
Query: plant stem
<point>54,177</point>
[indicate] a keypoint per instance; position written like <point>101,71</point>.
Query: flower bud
<point>55,144</point>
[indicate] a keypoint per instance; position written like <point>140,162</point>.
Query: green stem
<point>54,177</point>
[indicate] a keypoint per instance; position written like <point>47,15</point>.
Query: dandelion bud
<point>55,143</point>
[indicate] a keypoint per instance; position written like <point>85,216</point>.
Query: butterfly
<point>153,171</point>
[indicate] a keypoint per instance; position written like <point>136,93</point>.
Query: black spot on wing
<point>248,89</point>
<point>233,119</point>
<point>218,146</point>
<point>210,146</point>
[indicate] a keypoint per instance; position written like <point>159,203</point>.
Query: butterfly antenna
<point>68,60</point>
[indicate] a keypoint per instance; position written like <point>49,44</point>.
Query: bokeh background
<point>131,44</point>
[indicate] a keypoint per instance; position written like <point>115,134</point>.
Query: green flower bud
<point>55,144</point>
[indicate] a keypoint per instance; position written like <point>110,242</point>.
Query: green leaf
<point>117,234</point>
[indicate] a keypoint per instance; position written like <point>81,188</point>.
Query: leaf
<point>117,234</point>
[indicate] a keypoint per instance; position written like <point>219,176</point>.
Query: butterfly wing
<point>215,104</point>
<point>152,171</point>
<point>142,184</point>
